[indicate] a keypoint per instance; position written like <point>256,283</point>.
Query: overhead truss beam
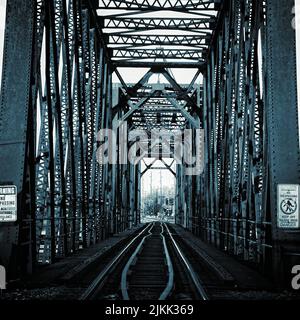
<point>160,40</point>
<point>178,5</point>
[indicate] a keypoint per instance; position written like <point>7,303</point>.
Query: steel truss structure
<point>57,94</point>
<point>235,216</point>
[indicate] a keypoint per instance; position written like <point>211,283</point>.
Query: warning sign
<point>8,203</point>
<point>288,206</point>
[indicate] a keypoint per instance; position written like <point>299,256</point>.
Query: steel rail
<point>103,274</point>
<point>199,286</point>
<point>169,287</point>
<point>124,288</point>
<point>88,293</point>
<point>170,284</point>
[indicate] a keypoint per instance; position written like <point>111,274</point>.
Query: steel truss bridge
<point>57,93</point>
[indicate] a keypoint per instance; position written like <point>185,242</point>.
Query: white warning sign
<point>8,203</point>
<point>288,206</point>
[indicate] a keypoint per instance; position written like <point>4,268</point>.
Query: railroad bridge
<point>74,133</point>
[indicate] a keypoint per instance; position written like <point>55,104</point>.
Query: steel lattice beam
<point>159,40</point>
<point>140,24</point>
<point>159,54</point>
<point>149,64</point>
<point>178,5</point>
<point>130,29</point>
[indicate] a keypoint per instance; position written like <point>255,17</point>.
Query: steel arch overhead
<point>137,30</point>
<point>148,102</point>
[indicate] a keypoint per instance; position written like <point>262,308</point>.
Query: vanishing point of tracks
<point>151,267</point>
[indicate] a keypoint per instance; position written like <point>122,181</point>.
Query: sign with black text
<point>288,206</point>
<point>8,203</point>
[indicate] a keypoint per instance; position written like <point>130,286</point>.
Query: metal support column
<point>282,113</point>
<point>16,247</point>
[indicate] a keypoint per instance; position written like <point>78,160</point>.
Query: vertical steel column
<point>14,130</point>
<point>282,113</point>
<point>138,193</point>
<point>110,181</point>
<point>68,22</point>
<point>99,124</point>
<point>54,103</point>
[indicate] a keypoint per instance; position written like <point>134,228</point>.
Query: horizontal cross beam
<point>149,64</point>
<point>122,41</point>
<point>179,5</point>
<point>150,23</point>
<point>158,53</point>
<point>160,40</point>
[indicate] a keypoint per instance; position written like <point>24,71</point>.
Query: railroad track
<point>151,267</point>
<point>149,273</point>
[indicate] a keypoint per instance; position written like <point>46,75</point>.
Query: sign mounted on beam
<point>8,203</point>
<point>288,206</point>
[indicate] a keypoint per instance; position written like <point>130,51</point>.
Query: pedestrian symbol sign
<point>288,206</point>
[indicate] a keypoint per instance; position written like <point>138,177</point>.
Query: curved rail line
<point>197,282</point>
<point>105,273</point>
<point>135,256</point>
<point>170,284</point>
